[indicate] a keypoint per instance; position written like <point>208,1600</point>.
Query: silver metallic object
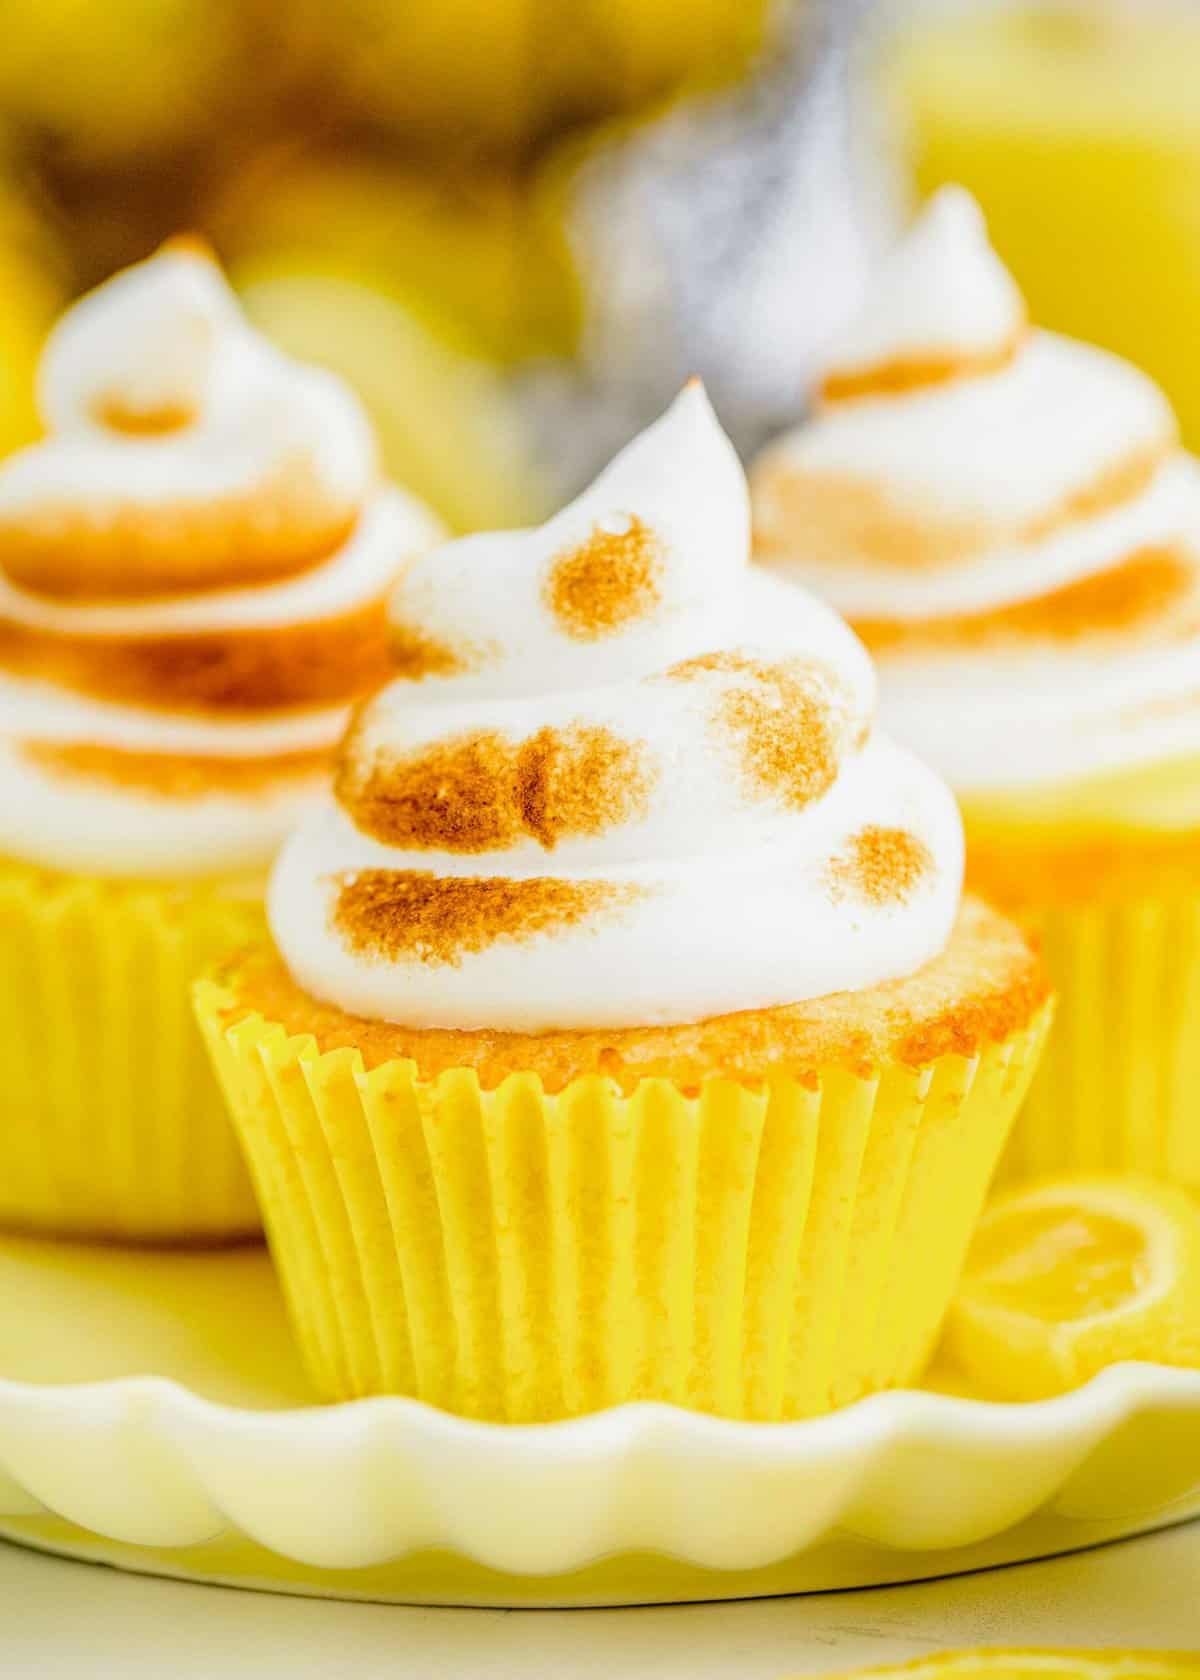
<point>728,238</point>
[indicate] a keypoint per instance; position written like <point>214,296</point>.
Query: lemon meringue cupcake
<point>1007,519</point>
<point>624,1035</point>
<point>194,564</point>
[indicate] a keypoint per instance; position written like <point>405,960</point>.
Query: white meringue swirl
<point>1005,516</point>
<point>194,565</point>
<point>621,780</point>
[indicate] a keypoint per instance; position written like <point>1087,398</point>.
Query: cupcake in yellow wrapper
<point>1007,519</point>
<point>193,566</point>
<point>759,1245</point>
<point>1116,911</point>
<point>624,1035</point>
<point>113,1126</point>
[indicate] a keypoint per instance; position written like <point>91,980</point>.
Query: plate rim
<point>1112,1394</point>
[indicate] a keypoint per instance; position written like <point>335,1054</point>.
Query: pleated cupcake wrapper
<point>512,1254</point>
<point>1119,1085</point>
<point>111,1123</point>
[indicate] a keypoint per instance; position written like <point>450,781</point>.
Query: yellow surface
<point>1067,1277</point>
<point>514,1255</point>
<point>438,1577</point>
<point>996,1664</point>
<point>112,1123</point>
<point>83,1313</point>
<point>1078,128</point>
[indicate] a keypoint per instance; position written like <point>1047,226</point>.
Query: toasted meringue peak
<point>944,306</point>
<point>621,778</point>
<point>635,572</point>
<point>194,565</point>
<point>183,453</point>
<point>1019,546</point>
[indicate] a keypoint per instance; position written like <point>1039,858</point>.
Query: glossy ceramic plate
<point>153,1414</point>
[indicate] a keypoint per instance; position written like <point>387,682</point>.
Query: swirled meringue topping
<point>620,778</point>
<point>194,567</point>
<point>947,308</point>
<point>1006,518</point>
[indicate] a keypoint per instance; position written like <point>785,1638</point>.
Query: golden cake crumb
<point>439,919</point>
<point>321,663</point>
<point>881,865</point>
<point>1138,592</point>
<point>174,775</point>
<point>612,580</point>
<point>780,719</point>
<point>483,792</point>
<point>904,374</point>
<point>986,984</point>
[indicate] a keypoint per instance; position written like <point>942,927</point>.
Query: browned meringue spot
<point>174,775</point>
<point>1137,594</point>
<point>113,410</point>
<point>832,518</point>
<point>1116,484</point>
<point>881,866</point>
<point>610,581</point>
<point>278,667</point>
<point>483,792</point>
<point>781,720</point>
<point>416,654</point>
<point>287,525</point>
<point>904,374</point>
<point>395,914</point>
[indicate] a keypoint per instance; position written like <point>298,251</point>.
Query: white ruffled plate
<point>219,1466</point>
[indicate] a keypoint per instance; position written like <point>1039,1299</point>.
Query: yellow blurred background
<point>376,175</point>
<point>1077,124</point>
<point>389,180</point>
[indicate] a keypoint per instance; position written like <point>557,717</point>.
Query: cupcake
<point>624,1034</point>
<point>194,564</point>
<point>1009,522</point>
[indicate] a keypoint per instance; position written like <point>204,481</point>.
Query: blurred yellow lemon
<point>503,73</point>
<point>475,256</point>
<point>125,77</point>
<point>32,291</point>
<point>447,430</point>
<point>1071,1275</point>
<point>28,304</point>
<point>1039,1665</point>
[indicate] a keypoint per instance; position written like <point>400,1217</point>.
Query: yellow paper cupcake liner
<point>112,1124</point>
<point>1119,1085</point>
<point>513,1254</point>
